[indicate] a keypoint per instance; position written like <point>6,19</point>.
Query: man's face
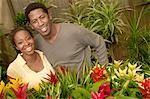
<point>40,21</point>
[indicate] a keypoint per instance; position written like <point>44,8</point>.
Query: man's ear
<point>50,16</point>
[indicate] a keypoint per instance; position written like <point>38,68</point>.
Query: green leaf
<point>80,93</point>
<point>96,85</point>
<point>1,33</point>
<point>123,97</point>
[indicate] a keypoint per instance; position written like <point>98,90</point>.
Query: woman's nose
<point>26,42</point>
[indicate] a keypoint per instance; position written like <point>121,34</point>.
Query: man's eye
<point>42,17</point>
<point>33,22</point>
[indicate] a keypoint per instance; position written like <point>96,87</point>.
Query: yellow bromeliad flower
<point>117,64</point>
<point>121,73</point>
<point>114,77</point>
<point>2,87</point>
<point>131,74</point>
<point>139,78</point>
<point>7,86</point>
<point>134,67</point>
<point>15,83</point>
<point>37,87</point>
<point>132,71</point>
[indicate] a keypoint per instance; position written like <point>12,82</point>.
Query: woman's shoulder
<point>39,52</point>
<point>18,61</point>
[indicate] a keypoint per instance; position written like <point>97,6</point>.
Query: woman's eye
<point>29,38</point>
<point>19,43</point>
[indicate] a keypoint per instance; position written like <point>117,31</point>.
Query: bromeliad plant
<point>117,80</point>
<point>125,79</point>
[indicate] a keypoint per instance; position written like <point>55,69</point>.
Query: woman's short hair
<point>15,30</point>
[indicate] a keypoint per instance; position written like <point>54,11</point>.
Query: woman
<point>30,65</point>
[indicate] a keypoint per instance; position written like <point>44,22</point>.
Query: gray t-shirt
<point>71,46</point>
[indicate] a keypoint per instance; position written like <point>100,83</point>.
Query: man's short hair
<point>33,6</point>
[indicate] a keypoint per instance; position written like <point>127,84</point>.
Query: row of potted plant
<point>118,80</point>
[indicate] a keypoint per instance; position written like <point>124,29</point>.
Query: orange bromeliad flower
<point>98,74</point>
<point>15,82</point>
<point>2,88</point>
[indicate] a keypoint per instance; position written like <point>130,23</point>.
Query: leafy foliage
<point>7,54</point>
<point>20,19</point>
<point>122,80</point>
<point>102,17</point>
<point>139,41</point>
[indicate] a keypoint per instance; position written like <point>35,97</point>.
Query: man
<point>63,43</point>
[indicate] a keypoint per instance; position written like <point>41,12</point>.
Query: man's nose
<point>40,22</point>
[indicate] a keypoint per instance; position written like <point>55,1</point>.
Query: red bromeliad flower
<point>69,97</point>
<point>21,92</point>
<point>48,97</point>
<point>63,69</point>
<point>146,89</point>
<point>96,95</point>
<point>106,88</point>
<point>98,74</point>
<point>52,78</point>
<point>104,91</point>
<point>2,96</point>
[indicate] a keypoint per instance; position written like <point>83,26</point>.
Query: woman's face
<point>24,42</point>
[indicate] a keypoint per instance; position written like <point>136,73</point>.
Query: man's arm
<point>97,42</point>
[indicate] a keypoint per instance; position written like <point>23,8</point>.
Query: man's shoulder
<point>71,28</point>
<point>37,36</point>
<point>70,25</point>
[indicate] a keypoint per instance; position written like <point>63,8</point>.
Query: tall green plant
<point>7,54</point>
<point>111,23</point>
<point>7,51</point>
<point>101,17</point>
<point>47,3</point>
<point>139,49</point>
<point>77,12</point>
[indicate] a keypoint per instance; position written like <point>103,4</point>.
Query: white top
<point>19,69</point>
